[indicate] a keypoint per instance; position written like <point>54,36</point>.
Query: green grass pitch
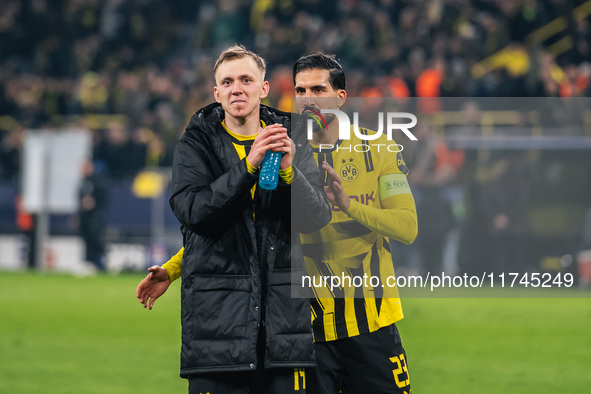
<point>62,334</point>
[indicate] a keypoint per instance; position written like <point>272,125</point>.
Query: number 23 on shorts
<point>401,376</point>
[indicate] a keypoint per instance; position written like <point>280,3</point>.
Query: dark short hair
<point>322,61</point>
<point>239,52</point>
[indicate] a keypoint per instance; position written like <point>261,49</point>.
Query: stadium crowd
<point>150,60</point>
<point>134,71</point>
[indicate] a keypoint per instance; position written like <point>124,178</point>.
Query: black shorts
<point>372,363</point>
<point>261,381</point>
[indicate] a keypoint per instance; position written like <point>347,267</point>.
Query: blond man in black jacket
<point>242,331</point>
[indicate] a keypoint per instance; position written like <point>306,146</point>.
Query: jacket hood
<point>210,114</point>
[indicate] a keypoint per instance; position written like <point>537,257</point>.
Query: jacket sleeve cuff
<point>173,266</point>
<point>249,167</point>
<point>286,175</point>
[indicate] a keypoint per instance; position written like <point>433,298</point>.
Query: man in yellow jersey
<point>358,348</point>
<point>241,330</point>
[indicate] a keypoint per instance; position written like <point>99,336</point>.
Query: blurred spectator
<point>435,221</point>
<point>397,86</point>
<point>428,86</point>
<point>93,200</point>
<point>505,197</point>
<point>435,168</point>
<point>10,153</point>
<point>25,222</point>
<point>122,154</point>
<point>574,82</point>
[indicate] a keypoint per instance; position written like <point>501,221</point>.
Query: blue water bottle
<point>269,175</point>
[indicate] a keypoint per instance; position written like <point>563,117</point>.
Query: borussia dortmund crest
<point>349,171</point>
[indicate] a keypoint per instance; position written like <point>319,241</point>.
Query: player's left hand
<point>288,149</point>
<point>153,286</point>
<point>334,191</point>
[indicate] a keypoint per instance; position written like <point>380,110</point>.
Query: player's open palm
<point>334,191</point>
<point>153,286</point>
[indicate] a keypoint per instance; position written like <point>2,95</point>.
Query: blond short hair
<point>239,52</point>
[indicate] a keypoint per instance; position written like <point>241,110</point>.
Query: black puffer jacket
<point>236,270</point>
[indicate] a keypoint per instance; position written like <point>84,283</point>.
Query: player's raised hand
<point>334,191</point>
<point>288,150</point>
<point>152,286</point>
<point>271,137</point>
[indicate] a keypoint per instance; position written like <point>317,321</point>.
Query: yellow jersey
<point>353,246</point>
